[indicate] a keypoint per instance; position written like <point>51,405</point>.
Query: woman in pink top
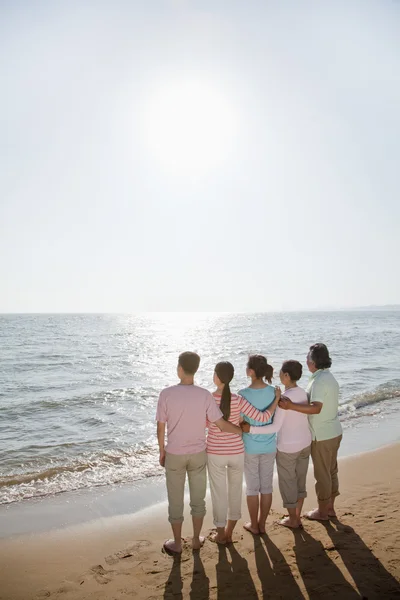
<point>293,446</point>
<point>225,453</point>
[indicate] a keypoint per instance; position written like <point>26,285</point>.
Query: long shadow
<point>370,576</point>
<point>174,585</point>
<point>234,579</point>
<point>321,577</point>
<point>200,586</point>
<point>277,578</point>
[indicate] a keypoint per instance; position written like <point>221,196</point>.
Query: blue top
<point>261,399</point>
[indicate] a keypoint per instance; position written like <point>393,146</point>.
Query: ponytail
<point>260,366</point>
<point>225,404</point>
<point>225,371</point>
<point>269,373</point>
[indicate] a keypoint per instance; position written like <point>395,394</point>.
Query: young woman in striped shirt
<point>225,453</point>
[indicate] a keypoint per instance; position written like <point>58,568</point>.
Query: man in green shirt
<point>326,430</point>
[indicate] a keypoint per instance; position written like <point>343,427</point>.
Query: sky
<point>205,155</point>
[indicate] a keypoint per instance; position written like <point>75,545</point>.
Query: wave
<point>114,467</point>
<point>387,391</point>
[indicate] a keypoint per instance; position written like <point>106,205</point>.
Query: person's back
<point>261,399</point>
<point>294,434</point>
<point>260,450</point>
<point>184,409</point>
<point>324,388</point>
<point>221,442</point>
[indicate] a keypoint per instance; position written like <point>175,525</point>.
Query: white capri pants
<point>259,473</point>
<point>225,473</point>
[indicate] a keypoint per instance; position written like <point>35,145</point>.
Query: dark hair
<point>225,372</point>
<point>189,361</point>
<point>319,354</point>
<point>292,368</point>
<point>260,366</point>
<point>269,374</point>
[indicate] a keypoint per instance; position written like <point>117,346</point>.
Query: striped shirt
<point>220,442</point>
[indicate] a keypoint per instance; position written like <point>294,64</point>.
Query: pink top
<point>292,427</point>
<point>185,409</point>
<point>221,442</point>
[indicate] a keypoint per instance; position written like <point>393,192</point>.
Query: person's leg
<point>299,508</point>
<point>175,473</point>
<point>197,475</point>
<point>302,463</point>
<point>334,476</point>
<point>252,477</point>
<point>321,453</point>
<point>286,465</point>
<point>267,462</point>
<point>217,475</point>
<point>235,490</point>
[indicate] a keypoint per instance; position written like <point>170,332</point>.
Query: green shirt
<point>324,388</point>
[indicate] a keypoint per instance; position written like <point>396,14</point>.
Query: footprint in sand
<point>100,574</point>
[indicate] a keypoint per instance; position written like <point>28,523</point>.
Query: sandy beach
<point>355,556</point>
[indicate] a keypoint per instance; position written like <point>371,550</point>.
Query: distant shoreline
<point>372,308</point>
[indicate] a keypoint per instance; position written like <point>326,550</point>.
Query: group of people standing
<point>247,432</point>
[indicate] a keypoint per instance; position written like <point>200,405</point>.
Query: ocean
<point>78,393</point>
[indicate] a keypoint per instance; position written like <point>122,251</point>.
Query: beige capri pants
<point>176,468</point>
<point>225,473</point>
<point>259,473</point>
<point>292,475</point>
<point>324,455</point>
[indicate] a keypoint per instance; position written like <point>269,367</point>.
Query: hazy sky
<point>199,155</point>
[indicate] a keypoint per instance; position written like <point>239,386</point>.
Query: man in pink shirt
<point>185,408</point>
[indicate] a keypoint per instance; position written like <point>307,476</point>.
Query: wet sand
<point>354,556</point>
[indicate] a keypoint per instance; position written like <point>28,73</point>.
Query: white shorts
<point>259,473</point>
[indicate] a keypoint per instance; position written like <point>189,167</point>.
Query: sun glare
<point>189,127</point>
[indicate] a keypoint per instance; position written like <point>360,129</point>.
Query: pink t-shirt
<point>291,426</point>
<point>185,409</point>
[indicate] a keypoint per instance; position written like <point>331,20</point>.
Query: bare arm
<point>227,426</point>
<point>273,428</point>
<point>278,395</point>
<point>314,408</point>
<point>161,441</point>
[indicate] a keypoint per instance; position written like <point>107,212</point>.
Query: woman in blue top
<point>260,450</point>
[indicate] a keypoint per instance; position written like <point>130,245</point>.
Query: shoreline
<point>36,515</point>
<point>363,552</point>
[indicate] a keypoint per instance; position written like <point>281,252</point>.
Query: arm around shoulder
<point>314,408</point>
<point>274,427</point>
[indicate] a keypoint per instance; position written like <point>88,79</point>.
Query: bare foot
<point>248,527</point>
<point>315,515</point>
<point>217,538</point>
<point>261,527</point>
<point>197,543</point>
<point>287,522</point>
<point>171,547</point>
